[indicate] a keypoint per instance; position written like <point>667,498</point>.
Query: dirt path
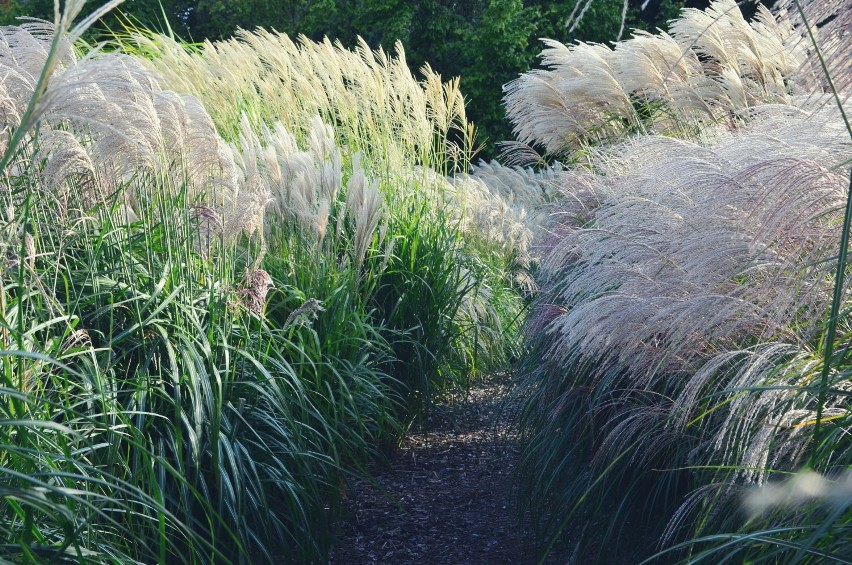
<point>447,497</point>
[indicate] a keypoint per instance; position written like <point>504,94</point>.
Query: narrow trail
<point>446,500</point>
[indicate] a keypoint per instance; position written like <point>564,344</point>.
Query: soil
<point>447,495</point>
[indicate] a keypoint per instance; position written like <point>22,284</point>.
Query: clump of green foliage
<point>206,326</point>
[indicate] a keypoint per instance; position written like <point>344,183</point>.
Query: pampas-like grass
<point>367,94</point>
<point>304,187</point>
<point>505,207</point>
<point>303,183</point>
<point>684,304</point>
<point>198,421</point>
<point>696,249</point>
<point>105,123</point>
<point>711,67</point>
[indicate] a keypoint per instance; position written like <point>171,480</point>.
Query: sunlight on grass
<point>234,273</point>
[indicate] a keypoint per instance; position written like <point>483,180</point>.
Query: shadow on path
<point>447,497</point>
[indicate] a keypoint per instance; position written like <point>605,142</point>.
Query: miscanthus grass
<point>506,207</point>
<point>370,96</point>
<point>397,136</point>
<point>210,317</point>
<point>710,67</point>
<point>678,342</point>
<point>149,413</point>
<point>349,145</point>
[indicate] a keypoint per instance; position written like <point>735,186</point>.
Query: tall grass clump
<point>676,343</point>
<point>387,140</point>
<point>150,411</point>
<point>216,303</point>
<point>388,248</point>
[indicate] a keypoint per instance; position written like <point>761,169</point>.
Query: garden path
<point>446,498</point>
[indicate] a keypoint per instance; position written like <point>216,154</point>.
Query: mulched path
<point>447,497</point>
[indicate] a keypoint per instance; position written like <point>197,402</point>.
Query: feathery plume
<point>252,292</point>
<point>712,67</point>
<point>367,214</point>
<point>208,228</point>
<point>363,92</point>
<point>309,310</point>
<point>697,270</point>
<point>106,123</point>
